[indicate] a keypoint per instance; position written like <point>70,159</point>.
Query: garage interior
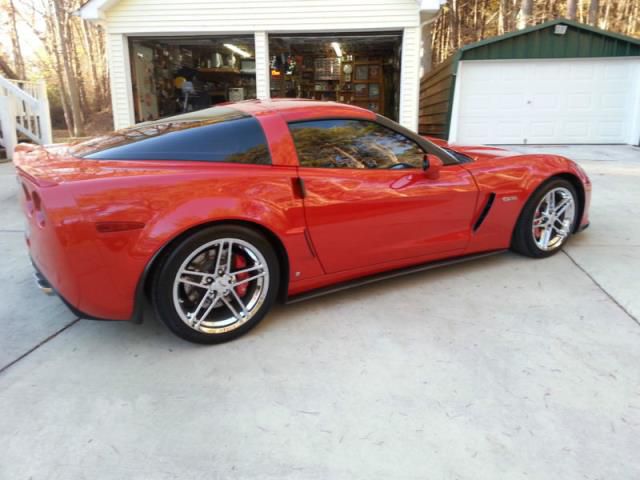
<point>172,75</point>
<point>357,69</point>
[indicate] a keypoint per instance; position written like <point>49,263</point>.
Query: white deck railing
<point>24,110</point>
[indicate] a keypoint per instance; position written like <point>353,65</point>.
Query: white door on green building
<point>563,101</point>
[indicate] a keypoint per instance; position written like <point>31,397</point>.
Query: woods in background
<point>466,21</point>
<point>66,51</point>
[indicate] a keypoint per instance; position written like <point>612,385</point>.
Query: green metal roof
<point>540,41</point>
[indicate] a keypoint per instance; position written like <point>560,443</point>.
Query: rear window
<point>223,135</point>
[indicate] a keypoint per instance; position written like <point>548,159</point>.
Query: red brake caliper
<point>239,263</point>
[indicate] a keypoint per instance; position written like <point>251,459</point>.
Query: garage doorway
<point>358,69</point>
<point>172,75</point>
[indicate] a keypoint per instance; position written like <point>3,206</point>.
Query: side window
<point>235,140</point>
<point>353,144</point>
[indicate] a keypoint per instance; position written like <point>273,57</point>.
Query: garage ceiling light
<point>337,49</point>
<point>239,51</point>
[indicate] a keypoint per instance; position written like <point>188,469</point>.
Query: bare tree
<point>572,9</point>
<point>594,6</point>
<point>61,27</point>
<point>6,69</point>
<point>524,16</point>
<point>503,21</point>
<point>16,51</point>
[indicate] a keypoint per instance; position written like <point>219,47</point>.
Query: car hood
<point>480,153</point>
<point>477,153</point>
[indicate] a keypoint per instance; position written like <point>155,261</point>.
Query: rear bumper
<point>45,286</point>
<point>42,283</point>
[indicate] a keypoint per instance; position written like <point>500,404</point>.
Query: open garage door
<point>560,101</point>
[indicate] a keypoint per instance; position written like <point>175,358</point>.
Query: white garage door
<point>547,101</point>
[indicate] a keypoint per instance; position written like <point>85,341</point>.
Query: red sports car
<point>216,214</point>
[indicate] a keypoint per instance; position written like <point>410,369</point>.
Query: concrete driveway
<point>502,368</point>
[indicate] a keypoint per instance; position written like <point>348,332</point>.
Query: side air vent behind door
<point>485,211</point>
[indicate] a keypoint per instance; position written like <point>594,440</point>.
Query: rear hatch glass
<point>218,134</point>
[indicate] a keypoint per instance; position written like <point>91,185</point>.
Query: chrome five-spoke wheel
<point>217,284</point>
<point>547,220</point>
<point>553,218</point>
<point>221,285</point>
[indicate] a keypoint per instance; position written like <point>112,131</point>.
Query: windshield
<point>461,157</point>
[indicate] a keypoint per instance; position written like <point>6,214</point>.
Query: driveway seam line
<point>597,284</point>
<point>33,349</point>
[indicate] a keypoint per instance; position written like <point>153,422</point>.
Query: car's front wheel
<point>217,284</point>
<point>547,220</point>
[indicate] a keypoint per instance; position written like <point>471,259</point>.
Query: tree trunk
<point>454,44</point>
<point>6,69</point>
<point>67,70</point>
<point>18,60</point>
<point>607,11</point>
<point>524,17</point>
<point>98,98</point>
<point>483,20</point>
<point>593,12</point>
<point>572,9</point>
<point>502,17</point>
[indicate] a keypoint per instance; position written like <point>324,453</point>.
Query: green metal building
<point>557,82</point>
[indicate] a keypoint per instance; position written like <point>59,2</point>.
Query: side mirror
<point>431,165</point>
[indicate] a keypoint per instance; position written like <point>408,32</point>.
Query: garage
<point>556,83</point>
<point>167,58</point>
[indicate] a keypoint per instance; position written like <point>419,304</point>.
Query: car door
<point>368,201</point>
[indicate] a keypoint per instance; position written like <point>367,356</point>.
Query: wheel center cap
<point>220,284</point>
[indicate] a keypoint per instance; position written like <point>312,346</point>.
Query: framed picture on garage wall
<point>362,73</point>
<point>361,89</point>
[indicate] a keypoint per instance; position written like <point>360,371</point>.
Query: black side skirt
<point>387,275</point>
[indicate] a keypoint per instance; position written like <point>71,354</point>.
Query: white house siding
<point>410,78</point>
<point>260,17</point>
<point>262,65</point>
<point>120,80</point>
<point>206,16</point>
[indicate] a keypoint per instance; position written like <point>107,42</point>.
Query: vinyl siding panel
<point>262,65</point>
<point>120,80</point>
<point>202,16</point>
<point>410,78</point>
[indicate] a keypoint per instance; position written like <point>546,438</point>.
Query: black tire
<point>523,240</point>
<point>163,284</point>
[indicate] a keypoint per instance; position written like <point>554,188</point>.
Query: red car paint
<point>95,225</point>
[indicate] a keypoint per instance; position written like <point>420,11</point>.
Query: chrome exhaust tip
<point>42,284</point>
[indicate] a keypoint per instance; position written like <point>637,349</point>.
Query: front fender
<point>513,179</point>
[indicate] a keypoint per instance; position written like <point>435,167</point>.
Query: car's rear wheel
<point>217,284</point>
<point>547,220</point>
